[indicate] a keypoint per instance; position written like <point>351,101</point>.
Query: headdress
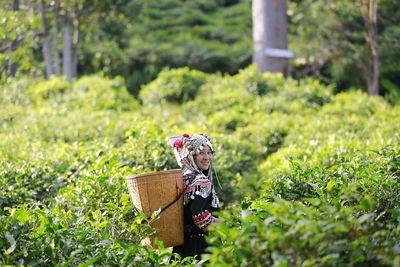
<point>186,146</point>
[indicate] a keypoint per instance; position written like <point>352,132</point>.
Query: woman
<point>195,154</point>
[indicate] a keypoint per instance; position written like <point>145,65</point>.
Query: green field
<point>309,177</point>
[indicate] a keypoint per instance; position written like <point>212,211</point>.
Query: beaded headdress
<point>186,147</point>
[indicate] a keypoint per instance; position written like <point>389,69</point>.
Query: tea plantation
<point>309,177</point>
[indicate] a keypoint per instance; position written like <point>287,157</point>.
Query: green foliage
<point>344,215</point>
<point>329,40</point>
<point>47,89</point>
<point>17,26</point>
<point>149,36</point>
<point>318,171</point>
<point>176,86</point>
<point>138,39</point>
<point>101,93</point>
<point>350,121</point>
<point>393,95</point>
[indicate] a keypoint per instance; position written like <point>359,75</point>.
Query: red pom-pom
<point>202,134</point>
<point>178,143</point>
<point>185,135</point>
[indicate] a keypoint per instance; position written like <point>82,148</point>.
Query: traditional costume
<point>200,199</point>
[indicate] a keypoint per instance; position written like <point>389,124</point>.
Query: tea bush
<point>307,177</point>
<point>337,128</point>
<point>347,214</point>
<point>176,85</point>
<point>45,90</point>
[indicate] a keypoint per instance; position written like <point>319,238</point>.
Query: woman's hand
<point>216,220</point>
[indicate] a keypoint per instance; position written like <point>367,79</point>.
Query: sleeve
<point>199,196</point>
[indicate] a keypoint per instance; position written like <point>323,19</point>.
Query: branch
<point>8,46</point>
<point>5,47</point>
<point>83,12</point>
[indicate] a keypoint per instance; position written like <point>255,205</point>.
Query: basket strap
<point>162,209</point>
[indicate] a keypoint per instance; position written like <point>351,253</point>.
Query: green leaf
<point>13,243</point>
<point>89,262</point>
<point>365,217</point>
<point>22,215</point>
<point>330,185</point>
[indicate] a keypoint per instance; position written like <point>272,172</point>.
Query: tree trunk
<point>75,42</point>
<point>75,64</point>
<point>56,54</point>
<point>12,66</point>
<point>269,32</point>
<point>46,42</point>
<point>67,49</point>
<point>369,10</point>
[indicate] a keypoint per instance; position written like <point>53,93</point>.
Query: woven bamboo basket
<point>151,191</point>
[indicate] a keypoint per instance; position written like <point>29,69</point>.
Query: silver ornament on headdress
<point>188,147</point>
<point>185,148</point>
<point>197,142</point>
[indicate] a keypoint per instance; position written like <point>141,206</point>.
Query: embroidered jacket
<point>200,201</point>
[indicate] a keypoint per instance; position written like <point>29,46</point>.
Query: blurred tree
<point>369,11</point>
<point>19,28</point>
<point>389,49</point>
<point>56,54</point>
<point>67,46</point>
<point>331,42</point>
<point>12,66</point>
<point>105,41</point>
<point>269,32</point>
<point>46,41</point>
<point>206,35</point>
<point>137,39</point>
<point>72,16</point>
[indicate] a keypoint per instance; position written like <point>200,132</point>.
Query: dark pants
<point>194,245</point>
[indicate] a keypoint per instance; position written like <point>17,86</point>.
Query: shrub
<point>175,85</point>
<point>319,171</point>
<point>99,92</point>
<point>344,215</point>
<point>49,89</point>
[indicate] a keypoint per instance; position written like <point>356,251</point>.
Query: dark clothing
<point>200,202</point>
<point>193,246</point>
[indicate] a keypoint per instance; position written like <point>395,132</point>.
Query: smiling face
<point>204,158</point>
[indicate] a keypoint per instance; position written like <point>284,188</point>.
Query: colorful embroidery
<point>203,220</point>
<point>201,186</point>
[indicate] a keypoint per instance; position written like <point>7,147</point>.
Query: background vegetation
<point>137,39</point>
<point>309,165</point>
<point>308,177</point>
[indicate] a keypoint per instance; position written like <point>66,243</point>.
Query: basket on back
<point>151,191</point>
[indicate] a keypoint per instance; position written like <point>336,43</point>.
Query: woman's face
<point>204,158</point>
